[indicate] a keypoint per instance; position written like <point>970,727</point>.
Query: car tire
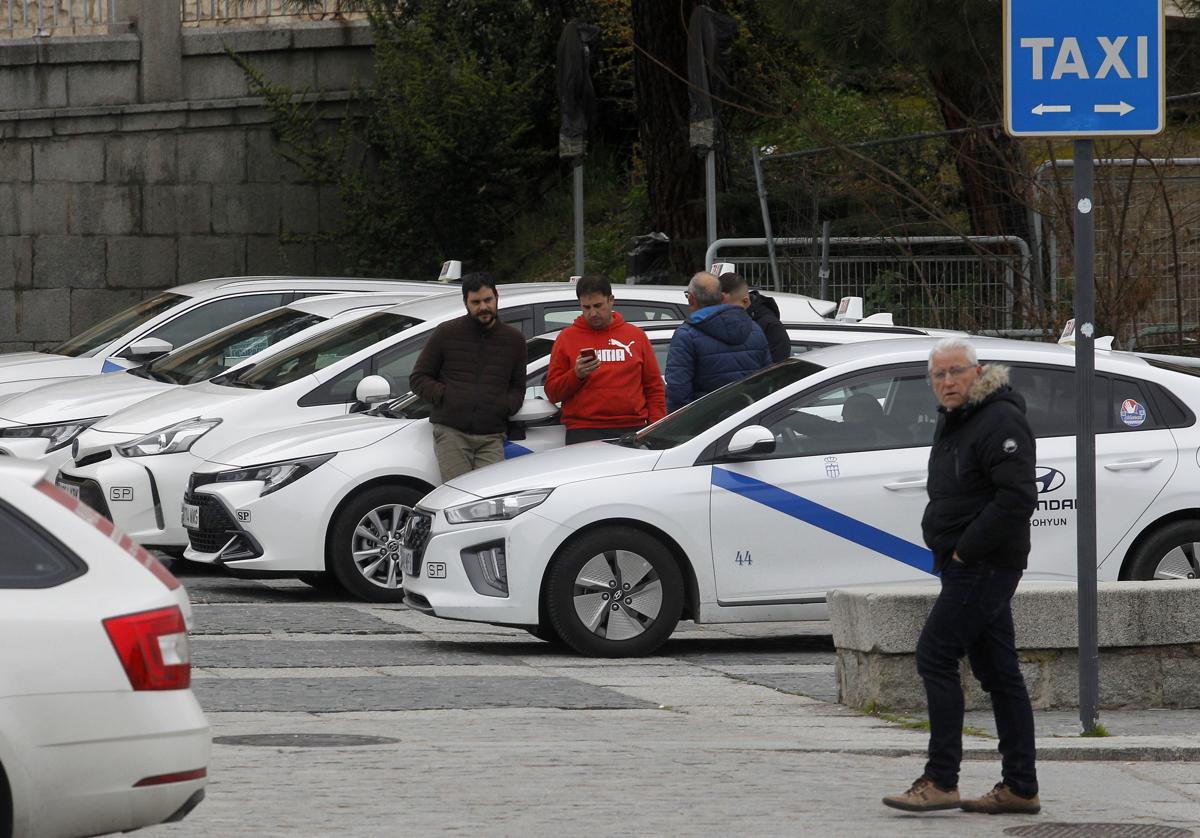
<point>579,601</point>
<point>375,578</point>
<point>1171,552</point>
<point>545,633</point>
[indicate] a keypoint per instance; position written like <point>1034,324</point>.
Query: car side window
<point>32,558</point>
<point>1119,404</point>
<point>208,317</point>
<point>395,364</point>
<point>892,408</point>
<point>634,312</point>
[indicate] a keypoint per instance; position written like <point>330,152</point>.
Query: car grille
<point>216,529</point>
<point>90,493</point>
<point>415,537</point>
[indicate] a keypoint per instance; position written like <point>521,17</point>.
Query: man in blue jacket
<point>717,345</point>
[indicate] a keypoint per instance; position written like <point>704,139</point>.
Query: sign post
<point>1084,69</point>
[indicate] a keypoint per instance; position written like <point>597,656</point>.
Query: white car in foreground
<point>753,502</point>
<point>42,423</point>
<point>99,730</point>
<point>257,512</point>
<point>170,319</point>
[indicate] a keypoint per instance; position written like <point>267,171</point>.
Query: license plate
<point>70,488</point>
<point>435,570</point>
<point>408,559</point>
<point>191,516</point>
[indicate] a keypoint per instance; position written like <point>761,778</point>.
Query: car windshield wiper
<point>630,440</point>
<point>147,371</point>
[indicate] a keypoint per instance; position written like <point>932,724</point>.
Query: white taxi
<point>254,513</point>
<point>42,424</point>
<point>133,465</point>
<point>170,319</point>
<point>753,502</point>
<point>99,730</point>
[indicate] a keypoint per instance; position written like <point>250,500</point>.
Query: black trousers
<point>973,616</point>
<point>577,435</point>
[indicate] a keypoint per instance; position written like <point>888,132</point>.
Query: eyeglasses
<point>953,372</point>
<point>687,295</point>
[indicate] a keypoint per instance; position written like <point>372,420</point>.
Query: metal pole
<point>710,193</point>
<point>578,168</point>
<point>823,274</point>
<point>766,214</point>
<point>1085,439</point>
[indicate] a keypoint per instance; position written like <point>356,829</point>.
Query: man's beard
<point>485,318</point>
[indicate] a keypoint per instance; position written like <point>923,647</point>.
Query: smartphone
<point>588,355</point>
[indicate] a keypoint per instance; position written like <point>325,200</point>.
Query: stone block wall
<point>106,199</point>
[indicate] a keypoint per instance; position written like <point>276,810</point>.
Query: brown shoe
<point>924,796</point>
<point>1002,800</point>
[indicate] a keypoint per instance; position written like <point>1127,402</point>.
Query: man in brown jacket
<point>472,371</point>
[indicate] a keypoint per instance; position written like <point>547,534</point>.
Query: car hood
<point>589,461</point>
<point>175,405</point>
<point>83,398</point>
<point>325,436</point>
<point>9,360</point>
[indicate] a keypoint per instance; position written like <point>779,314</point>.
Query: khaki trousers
<point>458,452</point>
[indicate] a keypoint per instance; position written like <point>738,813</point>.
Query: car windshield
<point>213,355</point>
<point>109,330</point>
<point>411,406</point>
<point>318,352</point>
<point>696,418</point>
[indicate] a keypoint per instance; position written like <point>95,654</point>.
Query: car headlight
<point>169,440</point>
<point>500,508</point>
<point>274,476</point>
<point>59,434</point>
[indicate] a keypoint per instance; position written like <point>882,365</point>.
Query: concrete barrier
<point>1149,638</point>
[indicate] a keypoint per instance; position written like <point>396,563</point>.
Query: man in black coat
<point>981,497</point>
<point>762,310</point>
<point>472,371</point>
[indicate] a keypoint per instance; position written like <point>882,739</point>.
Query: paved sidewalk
<point>731,731</point>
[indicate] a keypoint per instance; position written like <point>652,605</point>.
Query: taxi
<point>258,512</point>
<point>158,324</point>
<point>752,503</point>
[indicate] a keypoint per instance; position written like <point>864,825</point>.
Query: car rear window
<point>32,558</point>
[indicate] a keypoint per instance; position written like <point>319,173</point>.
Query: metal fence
<point>232,12</point>
<point>42,18</point>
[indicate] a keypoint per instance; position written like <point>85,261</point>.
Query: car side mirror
<point>752,439</point>
<point>147,349</point>
<point>535,410</point>
<point>372,390</point>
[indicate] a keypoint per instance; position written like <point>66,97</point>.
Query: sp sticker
<point>1133,413</point>
<point>243,516</point>
<point>1010,446</point>
<point>120,493</point>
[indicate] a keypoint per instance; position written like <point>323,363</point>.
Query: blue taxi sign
<point>1084,68</point>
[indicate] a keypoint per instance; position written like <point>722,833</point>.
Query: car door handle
<point>919,483</point>
<point>1133,465</point>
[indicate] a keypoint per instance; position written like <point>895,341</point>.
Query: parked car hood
<point>325,436</point>
<point>173,406</point>
<point>80,398</point>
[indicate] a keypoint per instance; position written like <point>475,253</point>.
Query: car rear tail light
<point>153,647</point>
<point>106,528</point>
<point>177,777</point>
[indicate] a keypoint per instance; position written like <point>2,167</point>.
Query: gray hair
<point>706,288</point>
<point>953,344</point>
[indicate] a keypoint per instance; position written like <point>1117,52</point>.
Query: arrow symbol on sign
<point>1041,109</point>
<point>1122,108</point>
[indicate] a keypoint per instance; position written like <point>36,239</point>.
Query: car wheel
<point>615,593</point>
<point>1172,552</point>
<point>364,543</point>
<point>321,580</point>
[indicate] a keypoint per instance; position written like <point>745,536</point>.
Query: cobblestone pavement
<point>728,731</point>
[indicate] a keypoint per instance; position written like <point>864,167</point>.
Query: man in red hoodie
<point>603,371</point>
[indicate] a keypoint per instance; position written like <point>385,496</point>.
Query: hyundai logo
<point>1049,479</point>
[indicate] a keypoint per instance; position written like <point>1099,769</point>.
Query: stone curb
<point>1069,753</point>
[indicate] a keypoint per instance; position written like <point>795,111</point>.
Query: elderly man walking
<point>981,497</point>
<point>718,344</point>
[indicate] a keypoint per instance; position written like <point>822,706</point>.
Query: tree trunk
<point>674,171</point>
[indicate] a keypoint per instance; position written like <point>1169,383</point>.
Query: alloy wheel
<point>617,595</point>
<point>1181,562</point>
<point>375,545</point>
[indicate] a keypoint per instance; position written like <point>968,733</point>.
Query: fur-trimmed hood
<point>993,378</point>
